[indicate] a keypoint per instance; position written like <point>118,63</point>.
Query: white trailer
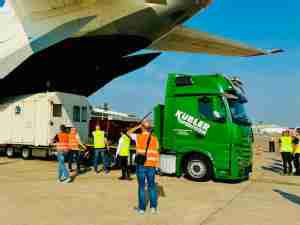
<point>30,122</point>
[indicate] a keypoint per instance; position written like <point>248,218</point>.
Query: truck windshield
<point>238,112</point>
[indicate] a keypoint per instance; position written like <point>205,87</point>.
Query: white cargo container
<point>30,122</point>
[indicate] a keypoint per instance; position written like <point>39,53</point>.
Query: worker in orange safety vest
<point>61,142</point>
<point>75,149</point>
<point>147,145</point>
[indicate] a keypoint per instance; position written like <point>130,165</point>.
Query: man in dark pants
<point>123,154</point>
<point>75,146</point>
<point>286,149</point>
<point>272,144</point>
<point>296,152</point>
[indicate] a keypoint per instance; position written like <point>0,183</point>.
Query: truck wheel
<point>26,153</point>
<point>10,152</point>
<point>198,168</point>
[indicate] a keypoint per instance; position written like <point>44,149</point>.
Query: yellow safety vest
<point>297,151</point>
<point>125,146</point>
<point>99,139</point>
<point>286,144</point>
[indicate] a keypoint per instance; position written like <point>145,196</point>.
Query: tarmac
<point>31,195</point>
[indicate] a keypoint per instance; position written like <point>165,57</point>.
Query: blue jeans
<point>63,173</point>
<point>142,174</point>
<point>105,159</point>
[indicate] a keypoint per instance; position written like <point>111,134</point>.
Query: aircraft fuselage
<point>42,43</point>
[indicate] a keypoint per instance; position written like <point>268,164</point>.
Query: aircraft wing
<point>183,39</point>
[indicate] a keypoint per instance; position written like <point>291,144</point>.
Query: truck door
<point>29,126</point>
<point>23,131</point>
<point>242,136</point>
<point>202,126</point>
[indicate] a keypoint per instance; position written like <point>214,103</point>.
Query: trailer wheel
<point>198,168</point>
<point>10,152</point>
<point>48,155</point>
<point>2,151</point>
<point>26,153</point>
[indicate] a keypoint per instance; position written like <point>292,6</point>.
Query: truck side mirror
<point>219,112</point>
<point>218,117</point>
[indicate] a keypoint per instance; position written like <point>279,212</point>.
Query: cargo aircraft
<point>78,46</point>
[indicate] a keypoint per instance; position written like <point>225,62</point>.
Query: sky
<point>272,82</point>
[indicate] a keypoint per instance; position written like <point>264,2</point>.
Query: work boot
<point>283,174</point>
<point>297,173</point>
<point>121,178</point>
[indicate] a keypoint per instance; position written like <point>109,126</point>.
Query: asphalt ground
<point>31,195</point>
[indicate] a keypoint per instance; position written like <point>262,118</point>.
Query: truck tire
<point>26,153</point>
<point>198,168</point>
<point>10,152</point>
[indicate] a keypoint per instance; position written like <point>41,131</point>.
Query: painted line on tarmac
<point>209,218</point>
<point>270,181</point>
<point>220,209</point>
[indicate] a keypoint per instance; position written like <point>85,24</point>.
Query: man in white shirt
<point>123,151</point>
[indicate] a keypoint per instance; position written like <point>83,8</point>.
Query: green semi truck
<point>203,128</point>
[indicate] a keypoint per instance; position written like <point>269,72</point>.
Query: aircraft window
<point>57,110</point>
<point>18,110</point>
<point>76,113</point>
<point>84,114</point>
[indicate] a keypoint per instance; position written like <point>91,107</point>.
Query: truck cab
<point>203,128</point>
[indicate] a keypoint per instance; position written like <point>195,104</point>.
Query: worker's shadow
<point>273,168</point>
<point>290,197</point>
<point>160,193</point>
<point>277,163</point>
<point>8,162</point>
<point>276,160</point>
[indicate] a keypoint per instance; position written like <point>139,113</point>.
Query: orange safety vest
<point>73,142</point>
<point>152,153</point>
<point>63,142</point>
